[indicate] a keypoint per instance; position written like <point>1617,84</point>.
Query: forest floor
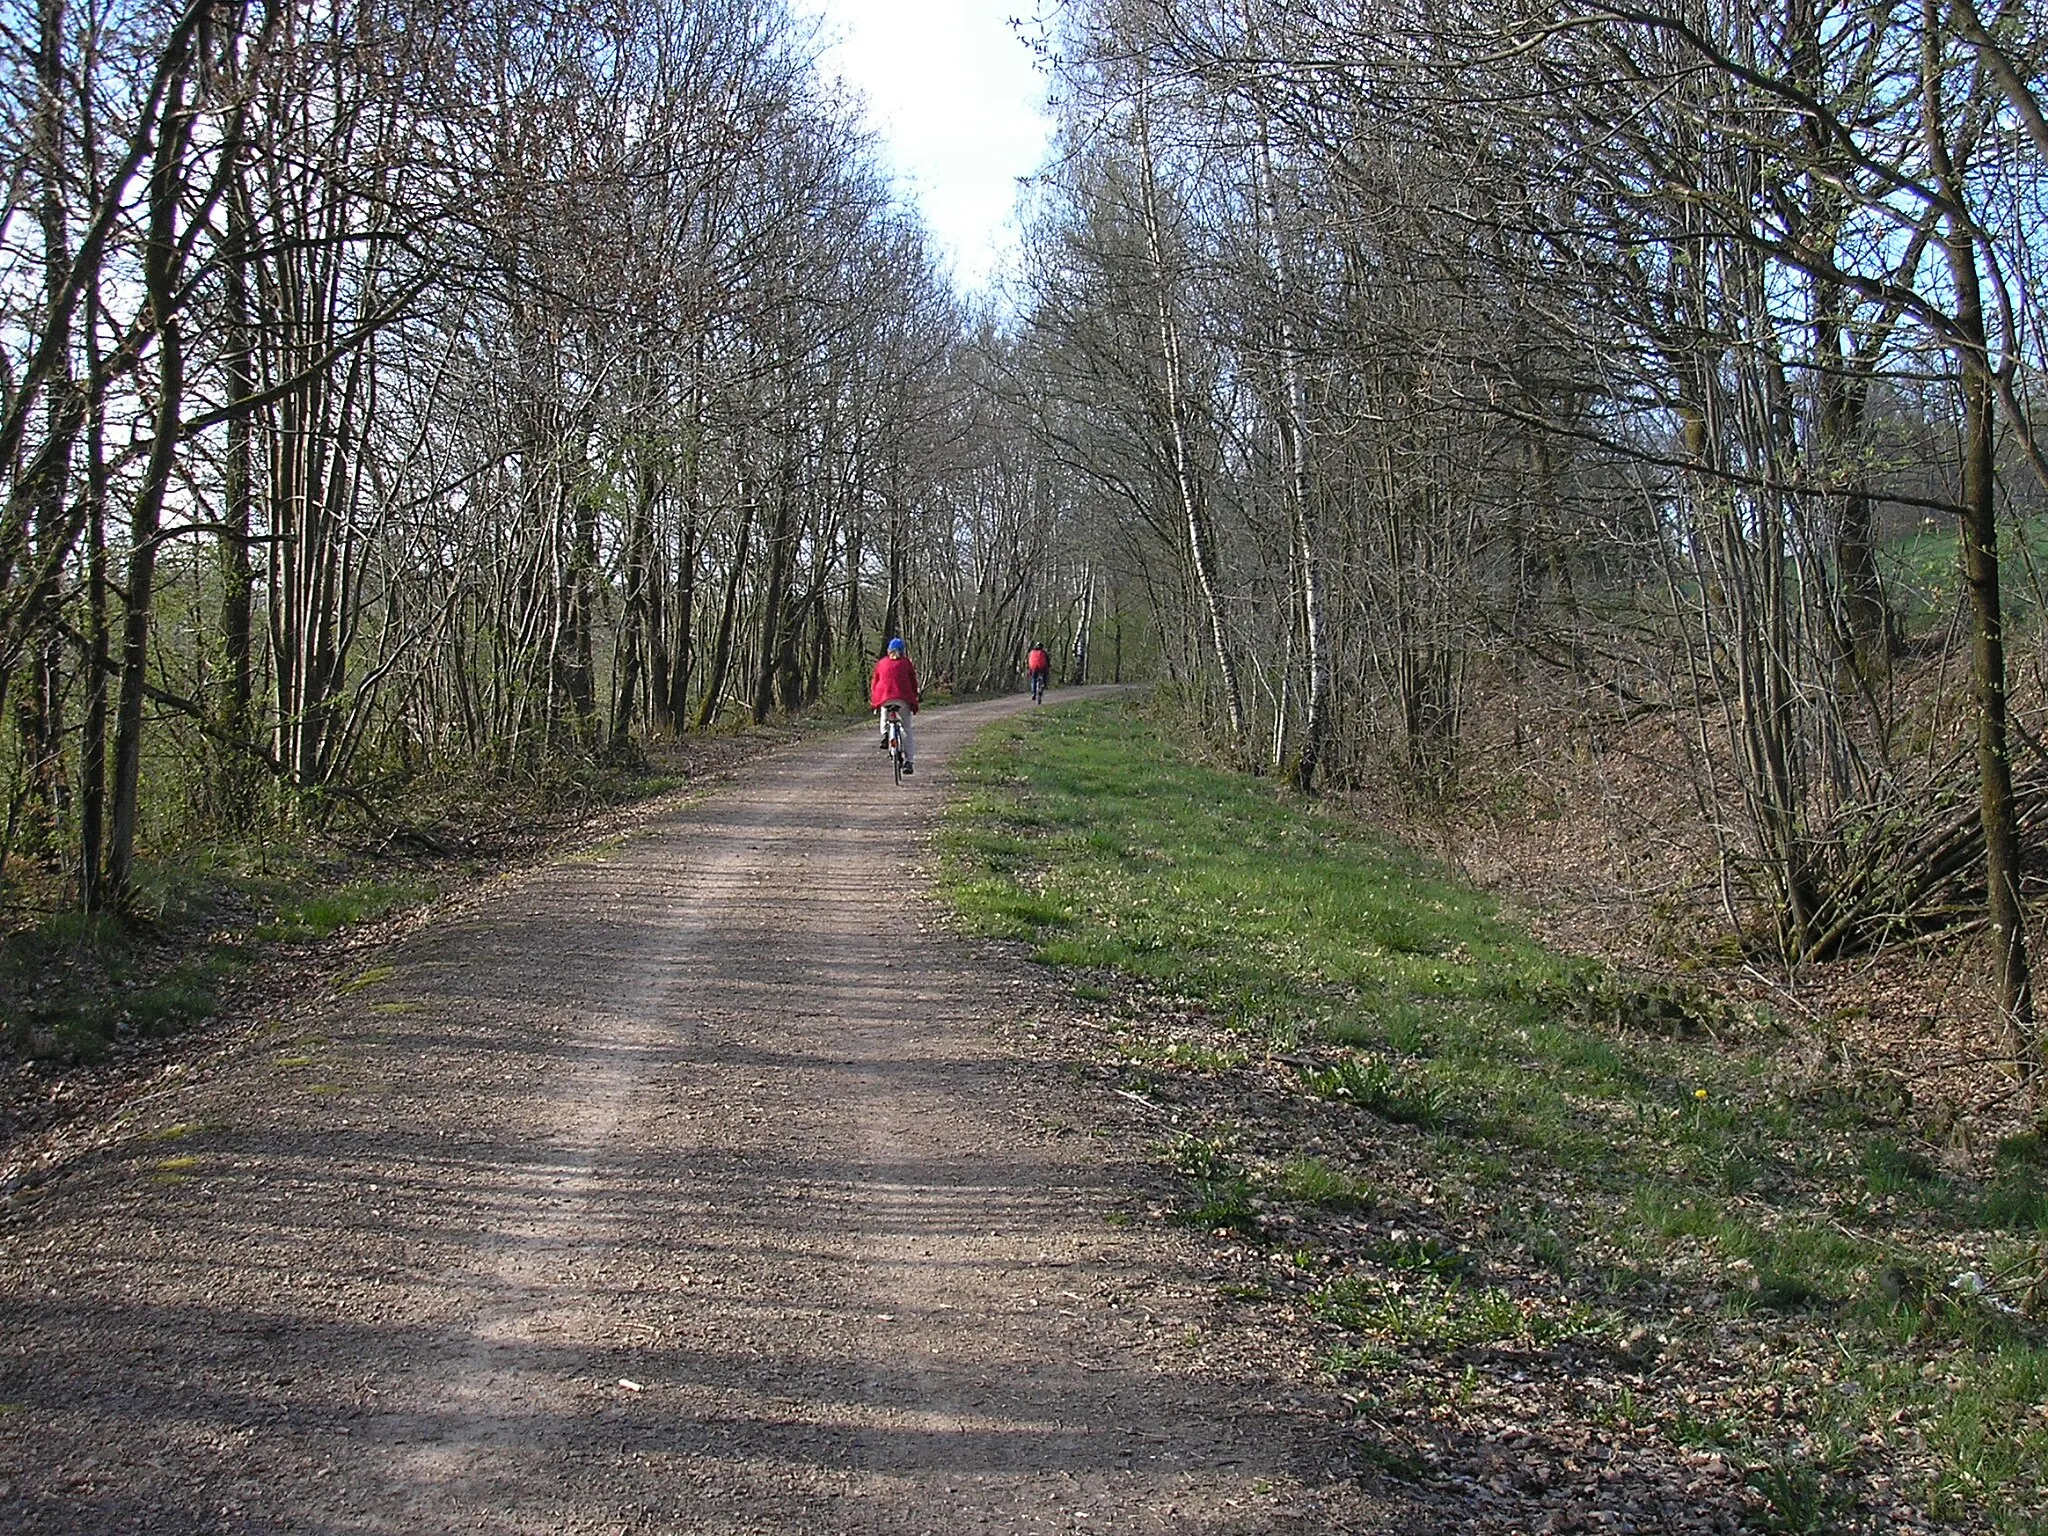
<point>702,1177</point>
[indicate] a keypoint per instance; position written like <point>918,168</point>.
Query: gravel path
<point>648,1191</point>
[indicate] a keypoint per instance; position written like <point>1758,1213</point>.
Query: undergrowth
<point>75,987</point>
<point>78,985</point>
<point>1603,1159</point>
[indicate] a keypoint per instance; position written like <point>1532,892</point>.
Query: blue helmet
<point>896,647</point>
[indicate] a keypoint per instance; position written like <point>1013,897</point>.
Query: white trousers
<point>882,715</point>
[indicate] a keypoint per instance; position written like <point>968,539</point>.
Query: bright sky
<point>958,100</point>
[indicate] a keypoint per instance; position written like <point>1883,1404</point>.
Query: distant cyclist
<point>895,683</point>
<point>1039,665</point>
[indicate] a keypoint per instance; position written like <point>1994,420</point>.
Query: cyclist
<point>1039,665</point>
<point>895,682</point>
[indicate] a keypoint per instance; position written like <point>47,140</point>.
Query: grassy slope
<point>1921,571</point>
<point>1558,1159</point>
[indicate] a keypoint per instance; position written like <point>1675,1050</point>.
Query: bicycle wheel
<point>896,760</point>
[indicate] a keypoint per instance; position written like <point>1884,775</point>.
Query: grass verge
<point>1502,1185</point>
<point>77,989</point>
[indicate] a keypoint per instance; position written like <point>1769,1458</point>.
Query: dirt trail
<point>648,1192</point>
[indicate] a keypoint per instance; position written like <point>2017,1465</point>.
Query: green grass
<point>1199,1157</point>
<point>1187,1055</point>
<point>1108,852</point>
<point>1408,1098</point>
<point>1313,1182</point>
<point>1127,858</point>
<point>296,917</point>
<point>1434,1315</point>
<point>368,978</point>
<point>1798,1498</point>
<point>1219,1205</point>
<point>1922,570</point>
<point>1636,1139</point>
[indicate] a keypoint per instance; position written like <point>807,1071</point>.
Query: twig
<point>1141,1101</point>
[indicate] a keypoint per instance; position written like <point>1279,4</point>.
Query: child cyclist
<point>895,682</point>
<point>1040,667</point>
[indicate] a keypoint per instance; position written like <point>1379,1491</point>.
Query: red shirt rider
<point>895,679</point>
<point>896,683</point>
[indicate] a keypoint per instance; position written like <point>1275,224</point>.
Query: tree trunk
<point>1307,562</point>
<point>92,750</point>
<point>233,717</point>
<point>892,599</point>
<point>1186,474</point>
<point>1870,632</point>
<point>39,707</point>
<point>1980,575</point>
<point>160,272</point>
<point>775,621</point>
<point>683,624</point>
<point>579,669</point>
<point>638,643</point>
<point>728,616</point>
<point>1987,650</point>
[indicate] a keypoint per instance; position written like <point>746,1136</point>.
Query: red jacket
<point>1039,662</point>
<point>895,678</point>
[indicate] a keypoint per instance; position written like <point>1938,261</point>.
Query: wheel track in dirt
<point>651,1191</point>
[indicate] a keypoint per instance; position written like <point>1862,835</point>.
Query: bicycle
<point>1038,687</point>
<point>892,723</point>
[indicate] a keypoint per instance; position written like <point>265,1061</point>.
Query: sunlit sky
<point>958,99</point>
